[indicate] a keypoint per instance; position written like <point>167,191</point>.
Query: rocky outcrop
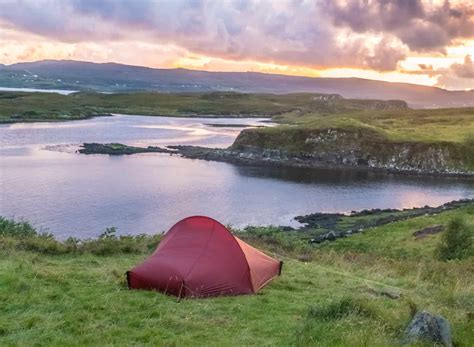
<point>363,148</point>
<point>354,148</point>
<point>118,149</point>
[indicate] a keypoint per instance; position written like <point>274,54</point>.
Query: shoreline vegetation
<point>314,130</point>
<point>357,290</point>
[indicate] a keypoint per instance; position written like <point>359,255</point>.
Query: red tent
<point>199,257</point>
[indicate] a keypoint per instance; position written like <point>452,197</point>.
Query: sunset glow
<point>422,42</point>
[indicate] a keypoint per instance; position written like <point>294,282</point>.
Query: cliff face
<point>362,148</point>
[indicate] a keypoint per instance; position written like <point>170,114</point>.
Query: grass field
<point>20,106</point>
<point>434,125</point>
<point>336,294</point>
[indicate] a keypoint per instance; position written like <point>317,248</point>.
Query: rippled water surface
<point>43,180</point>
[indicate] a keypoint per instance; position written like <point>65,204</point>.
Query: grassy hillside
<point>357,291</point>
<point>434,125</point>
<point>19,106</point>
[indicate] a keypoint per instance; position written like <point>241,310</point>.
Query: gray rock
<point>330,236</point>
<point>428,327</point>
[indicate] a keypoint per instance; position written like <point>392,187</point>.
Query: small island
<point>119,149</point>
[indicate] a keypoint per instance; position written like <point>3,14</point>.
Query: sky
<point>426,42</point>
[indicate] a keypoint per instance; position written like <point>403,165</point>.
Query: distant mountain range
<point>112,77</point>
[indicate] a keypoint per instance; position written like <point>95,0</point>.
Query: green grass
<point>434,125</point>
<point>20,106</point>
<point>398,240</point>
<point>335,297</point>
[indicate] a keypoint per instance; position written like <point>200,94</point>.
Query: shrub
<point>456,242</point>
<point>22,236</point>
<point>10,227</point>
<point>42,243</point>
<point>108,243</point>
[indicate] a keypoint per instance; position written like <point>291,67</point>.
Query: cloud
<point>291,32</point>
<point>456,76</point>
<point>465,70</point>
<point>322,34</point>
<point>452,82</point>
<point>453,77</point>
<point>422,26</point>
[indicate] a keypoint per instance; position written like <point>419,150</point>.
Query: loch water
<point>43,179</point>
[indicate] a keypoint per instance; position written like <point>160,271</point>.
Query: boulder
<point>427,327</point>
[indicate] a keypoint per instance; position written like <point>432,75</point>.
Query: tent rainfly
<point>199,257</point>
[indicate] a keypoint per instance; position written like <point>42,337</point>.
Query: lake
<point>43,180</point>
<point>36,90</point>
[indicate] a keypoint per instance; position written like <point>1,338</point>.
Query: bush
<point>22,236</point>
<point>109,243</point>
<point>456,242</point>
<point>10,227</point>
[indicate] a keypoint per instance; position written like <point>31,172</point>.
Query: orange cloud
<point>316,38</point>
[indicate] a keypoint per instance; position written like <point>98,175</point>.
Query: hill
<point>397,140</point>
<point>112,77</point>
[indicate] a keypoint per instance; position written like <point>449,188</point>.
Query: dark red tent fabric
<point>199,257</point>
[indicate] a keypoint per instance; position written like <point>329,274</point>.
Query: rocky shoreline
<point>269,157</point>
<point>321,227</point>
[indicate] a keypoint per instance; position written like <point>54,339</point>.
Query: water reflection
<point>347,176</point>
